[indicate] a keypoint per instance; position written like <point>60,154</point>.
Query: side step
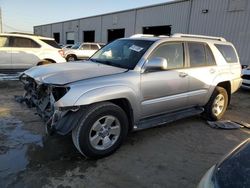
<point>167,118</point>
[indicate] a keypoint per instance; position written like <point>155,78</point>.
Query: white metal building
<point>227,18</point>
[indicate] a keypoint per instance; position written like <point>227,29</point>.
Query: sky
<point>22,15</point>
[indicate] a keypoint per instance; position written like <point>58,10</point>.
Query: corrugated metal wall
<point>120,20</point>
<point>58,28</point>
<point>219,21</point>
<point>175,15</point>
<point>89,24</point>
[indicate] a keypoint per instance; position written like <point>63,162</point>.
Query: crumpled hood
<point>64,73</point>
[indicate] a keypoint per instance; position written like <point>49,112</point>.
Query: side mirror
<point>156,64</point>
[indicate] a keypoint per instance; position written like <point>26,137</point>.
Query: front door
<point>84,51</point>
<point>165,91</point>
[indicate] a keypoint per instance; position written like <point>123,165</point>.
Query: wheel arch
<point>45,61</point>
<point>227,86</point>
<point>122,96</point>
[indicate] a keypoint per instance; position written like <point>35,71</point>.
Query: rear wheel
<point>217,105</point>
<point>101,130</point>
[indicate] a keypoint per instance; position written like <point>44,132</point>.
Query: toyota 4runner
<point>133,84</point>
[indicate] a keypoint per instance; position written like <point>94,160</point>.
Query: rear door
<point>5,53</point>
<point>84,51</point>
<point>25,52</point>
<point>202,71</point>
<point>94,48</point>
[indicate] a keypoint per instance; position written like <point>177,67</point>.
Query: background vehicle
<point>22,51</point>
<point>134,84</point>
<point>67,46</point>
<point>246,78</point>
<point>82,51</point>
<point>232,171</point>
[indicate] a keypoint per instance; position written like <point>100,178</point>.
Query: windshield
<point>76,46</point>
<point>122,53</point>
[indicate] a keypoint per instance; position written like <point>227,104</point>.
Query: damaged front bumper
<point>43,97</point>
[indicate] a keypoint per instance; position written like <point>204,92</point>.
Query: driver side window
<point>173,53</point>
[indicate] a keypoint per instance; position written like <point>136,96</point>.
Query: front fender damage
<point>42,97</point>
<point>63,122</point>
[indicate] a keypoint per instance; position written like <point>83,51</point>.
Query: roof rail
<point>147,35</point>
<point>199,36</point>
<point>22,33</point>
<point>141,35</point>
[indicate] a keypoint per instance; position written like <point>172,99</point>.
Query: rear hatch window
<point>228,53</point>
<point>52,43</point>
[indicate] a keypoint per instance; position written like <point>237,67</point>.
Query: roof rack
<point>141,35</point>
<point>22,33</point>
<point>146,35</point>
<point>199,36</point>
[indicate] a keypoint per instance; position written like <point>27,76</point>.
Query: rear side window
<point>228,53</point>
<point>200,55</point>
<point>173,53</point>
<point>21,42</point>
<point>4,41</point>
<point>197,54</point>
<point>94,47</point>
<point>52,43</point>
<point>85,47</point>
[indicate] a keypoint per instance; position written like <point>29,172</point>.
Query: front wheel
<point>101,130</point>
<point>217,105</point>
<point>71,58</point>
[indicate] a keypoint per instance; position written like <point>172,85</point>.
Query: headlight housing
<point>59,92</point>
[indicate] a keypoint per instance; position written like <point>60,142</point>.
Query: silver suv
<point>133,84</point>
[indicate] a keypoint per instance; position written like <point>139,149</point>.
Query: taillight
<point>61,52</point>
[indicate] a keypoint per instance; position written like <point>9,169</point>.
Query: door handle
<point>182,74</point>
<point>212,71</point>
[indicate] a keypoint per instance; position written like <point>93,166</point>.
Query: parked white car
<point>246,78</point>
<point>22,51</point>
<point>82,51</point>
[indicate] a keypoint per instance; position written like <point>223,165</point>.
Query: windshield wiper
<point>108,63</point>
<point>95,60</point>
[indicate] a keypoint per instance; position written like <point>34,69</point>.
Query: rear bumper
<point>245,84</point>
<point>236,83</point>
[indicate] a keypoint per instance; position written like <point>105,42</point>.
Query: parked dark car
<point>232,172</point>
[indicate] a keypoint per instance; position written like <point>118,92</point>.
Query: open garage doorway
<point>56,37</point>
<point>158,30</point>
<point>70,38</point>
<point>88,36</point>
<point>114,34</point>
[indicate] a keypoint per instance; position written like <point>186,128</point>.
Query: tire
<point>101,130</point>
<point>71,58</point>
<point>217,105</point>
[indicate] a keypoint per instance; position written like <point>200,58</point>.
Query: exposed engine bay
<point>43,97</point>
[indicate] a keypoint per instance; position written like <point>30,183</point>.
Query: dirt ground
<point>176,155</point>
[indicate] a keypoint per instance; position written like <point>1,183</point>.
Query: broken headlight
<point>59,92</point>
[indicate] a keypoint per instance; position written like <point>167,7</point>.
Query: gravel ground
<point>175,155</point>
